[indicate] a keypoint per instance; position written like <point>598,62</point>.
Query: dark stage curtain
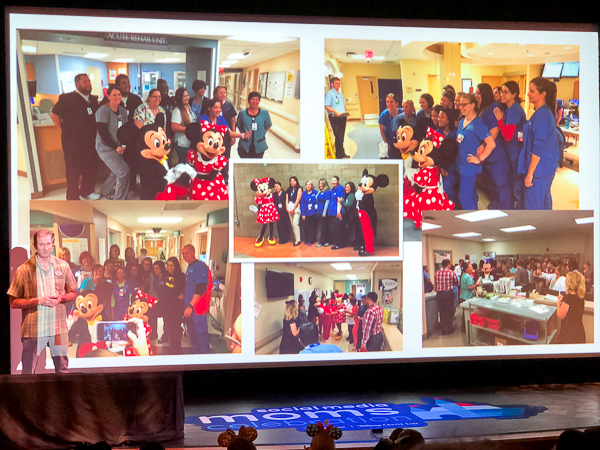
<point>57,411</point>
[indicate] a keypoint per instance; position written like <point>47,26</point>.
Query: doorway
<point>386,87</point>
<point>493,81</point>
<point>96,79</point>
<point>438,257</point>
<point>433,87</point>
<point>368,96</point>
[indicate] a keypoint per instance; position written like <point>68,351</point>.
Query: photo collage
<point>190,198</point>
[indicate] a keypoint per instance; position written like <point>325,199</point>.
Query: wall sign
<point>363,416</point>
<point>137,38</point>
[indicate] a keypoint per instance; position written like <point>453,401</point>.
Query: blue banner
<point>364,415</point>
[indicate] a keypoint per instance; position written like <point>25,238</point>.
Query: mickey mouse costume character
<point>242,441</point>
<point>151,148</point>
<point>267,213</point>
<point>367,213</point>
<point>428,193</point>
<point>406,140</point>
<point>204,175</point>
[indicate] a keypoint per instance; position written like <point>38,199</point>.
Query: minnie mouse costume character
<point>138,309</point>
<point>428,193</point>
<point>204,175</point>
<point>323,435</point>
<point>367,213</point>
<point>267,213</point>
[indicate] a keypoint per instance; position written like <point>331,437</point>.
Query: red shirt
<point>371,323</point>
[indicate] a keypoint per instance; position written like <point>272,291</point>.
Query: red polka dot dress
<point>430,198</point>
<point>203,189</point>
<point>267,212</point>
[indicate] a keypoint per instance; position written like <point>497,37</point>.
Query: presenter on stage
<point>40,288</point>
<point>198,285</point>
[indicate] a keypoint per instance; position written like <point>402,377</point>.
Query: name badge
<point>121,292</point>
<point>58,273</point>
<point>520,136</point>
<point>90,112</point>
<point>459,138</point>
<point>280,206</point>
<point>310,206</point>
<point>254,126</point>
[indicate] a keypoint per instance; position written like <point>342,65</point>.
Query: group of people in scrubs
<point>517,158</point>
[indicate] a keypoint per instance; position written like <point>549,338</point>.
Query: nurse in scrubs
<point>539,159</point>
<point>450,177</point>
<point>510,123</point>
<point>495,168</point>
<point>474,145</point>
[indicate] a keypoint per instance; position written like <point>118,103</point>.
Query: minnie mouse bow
<point>141,295</point>
<point>207,126</point>
<point>314,428</point>
<point>261,180</point>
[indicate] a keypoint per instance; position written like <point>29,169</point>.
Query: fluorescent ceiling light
<point>379,58</point>
<point>123,60</point>
<point>95,55</point>
<point>531,55</point>
<point>225,65</point>
<point>358,57</point>
<point>29,48</point>
<point>152,231</point>
<point>262,38</point>
<point>158,220</point>
<point>167,60</point>
<point>351,277</point>
<point>484,214</point>
<point>584,220</point>
<point>341,266</point>
<point>489,240</point>
<point>517,229</point>
<point>230,61</point>
<point>469,234</point>
<point>238,55</point>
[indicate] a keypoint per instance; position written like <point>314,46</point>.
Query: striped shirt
<point>32,281</point>
<point>371,323</point>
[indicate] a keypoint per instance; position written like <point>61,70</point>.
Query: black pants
<point>350,335</point>
<point>310,229</point>
<point>445,303</point>
<point>375,342</point>
<point>284,227</point>
<point>250,154</point>
<point>338,124</point>
<point>82,163</point>
<point>324,233</point>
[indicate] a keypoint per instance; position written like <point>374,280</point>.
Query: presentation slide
<point>183,199</point>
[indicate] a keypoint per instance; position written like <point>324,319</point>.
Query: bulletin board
<point>276,82</point>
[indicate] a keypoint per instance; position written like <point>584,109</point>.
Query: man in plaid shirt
<point>40,288</point>
<point>372,339</point>
<point>445,280</point>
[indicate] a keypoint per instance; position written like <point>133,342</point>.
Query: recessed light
<point>530,55</point>
<point>517,229</point>
<point>95,55</point>
<point>469,234</point>
<point>158,220</point>
<point>484,214</point>
<point>352,277</point>
<point>489,240</point>
<point>429,226</point>
<point>584,220</point>
<point>238,55</point>
<point>341,266</point>
<point>230,61</point>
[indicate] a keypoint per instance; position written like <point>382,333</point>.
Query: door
<point>96,79</point>
<point>433,88</point>
<point>255,80</point>
<point>389,87</point>
<point>492,81</point>
<point>368,95</point>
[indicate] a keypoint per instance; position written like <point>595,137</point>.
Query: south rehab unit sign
<point>135,38</point>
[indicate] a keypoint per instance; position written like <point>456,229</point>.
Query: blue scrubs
<point>197,273</point>
<point>515,116</point>
<point>469,139</point>
<point>451,181</point>
<point>336,192</point>
<point>322,199</point>
<point>495,166</point>
<point>385,119</point>
<point>540,138</point>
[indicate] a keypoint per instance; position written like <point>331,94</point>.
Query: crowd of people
<point>310,330</point>
<point>455,283</point>
<point>89,131</point>
<point>513,158</point>
<point>321,215</point>
<point>48,290</point>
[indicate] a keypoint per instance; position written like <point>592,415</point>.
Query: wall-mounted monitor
<point>279,284</point>
<point>570,70</point>
<point>552,70</point>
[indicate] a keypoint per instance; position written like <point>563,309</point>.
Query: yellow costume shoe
<point>259,243</point>
<point>272,241</point>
